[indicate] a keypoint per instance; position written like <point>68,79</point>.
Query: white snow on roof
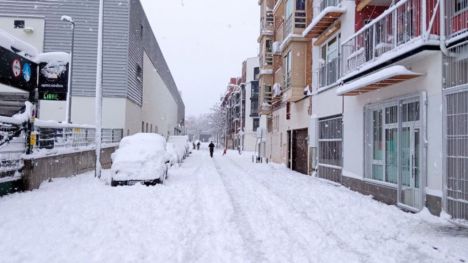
<point>381,75</point>
<point>329,9</point>
<point>15,44</point>
<point>52,57</point>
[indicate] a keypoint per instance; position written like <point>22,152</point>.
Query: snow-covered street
<point>225,209</point>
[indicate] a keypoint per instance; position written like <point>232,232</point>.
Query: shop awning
<point>383,78</point>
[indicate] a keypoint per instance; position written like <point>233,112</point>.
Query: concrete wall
<point>159,107</point>
<point>34,37</point>
<point>37,171</point>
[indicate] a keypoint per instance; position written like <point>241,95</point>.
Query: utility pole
<point>70,69</point>
<point>99,92</point>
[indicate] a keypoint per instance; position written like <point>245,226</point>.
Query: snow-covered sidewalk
<point>224,209</point>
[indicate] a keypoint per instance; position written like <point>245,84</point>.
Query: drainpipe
<point>443,46</point>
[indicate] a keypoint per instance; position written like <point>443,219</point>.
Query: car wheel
<point>114,183</point>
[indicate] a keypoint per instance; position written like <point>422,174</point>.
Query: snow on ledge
<point>11,42</point>
<point>381,75</point>
<point>329,9</point>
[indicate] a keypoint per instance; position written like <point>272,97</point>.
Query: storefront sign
<point>17,71</point>
<point>53,80</point>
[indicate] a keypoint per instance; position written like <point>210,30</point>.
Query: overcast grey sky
<point>204,43</point>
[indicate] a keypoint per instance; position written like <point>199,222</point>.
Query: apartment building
<point>285,79</point>
<point>231,102</point>
<point>250,71</point>
<point>389,100</point>
<point>139,92</point>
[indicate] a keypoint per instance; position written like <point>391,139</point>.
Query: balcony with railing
<point>267,22</point>
<point>326,13</point>
<point>403,28</point>
<point>329,73</point>
<point>295,23</point>
<point>457,20</point>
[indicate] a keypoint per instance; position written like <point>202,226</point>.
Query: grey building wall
<point>149,44</point>
<point>123,43</point>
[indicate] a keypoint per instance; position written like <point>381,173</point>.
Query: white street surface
<point>225,209</point>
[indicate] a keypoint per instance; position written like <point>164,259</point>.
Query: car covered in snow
<point>140,158</point>
<point>182,145</point>
<point>174,156</point>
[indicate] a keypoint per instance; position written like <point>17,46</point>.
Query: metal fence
<point>456,132</point>
<point>46,137</point>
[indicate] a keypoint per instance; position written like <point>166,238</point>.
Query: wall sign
<point>17,71</point>
<point>53,80</point>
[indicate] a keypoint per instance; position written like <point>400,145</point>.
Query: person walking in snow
<point>211,146</point>
<point>198,146</point>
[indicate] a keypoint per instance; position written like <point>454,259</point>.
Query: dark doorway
<point>298,150</point>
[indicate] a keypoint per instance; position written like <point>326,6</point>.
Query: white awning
<point>385,77</point>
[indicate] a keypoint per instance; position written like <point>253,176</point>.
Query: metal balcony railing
<point>298,20</point>
<point>267,21</point>
<point>324,4</point>
<point>457,18</point>
<point>329,73</point>
<point>400,24</point>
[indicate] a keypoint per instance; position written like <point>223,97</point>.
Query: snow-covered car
<point>182,145</point>
<point>171,149</point>
<point>140,158</point>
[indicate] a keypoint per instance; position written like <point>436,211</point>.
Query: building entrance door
<point>409,183</point>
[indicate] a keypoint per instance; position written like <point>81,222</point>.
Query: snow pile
<point>140,157</point>
<point>26,115</point>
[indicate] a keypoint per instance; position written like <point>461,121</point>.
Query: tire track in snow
<point>243,226</point>
<point>342,244</point>
<point>272,219</point>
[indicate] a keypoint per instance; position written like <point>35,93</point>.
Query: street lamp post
<point>99,91</point>
<point>70,70</point>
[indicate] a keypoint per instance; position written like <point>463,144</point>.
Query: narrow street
<point>225,209</point>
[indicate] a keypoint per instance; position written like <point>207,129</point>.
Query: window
<point>139,73</point>
<point>461,5</point>
<point>287,69</point>
<point>256,72</point>
<point>268,94</point>
<point>329,68</point>
<point>19,23</point>
<point>288,110</point>
<point>256,124</point>
<point>391,133</point>
<point>300,5</point>
<point>289,8</point>
<point>141,31</point>
<point>268,45</point>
